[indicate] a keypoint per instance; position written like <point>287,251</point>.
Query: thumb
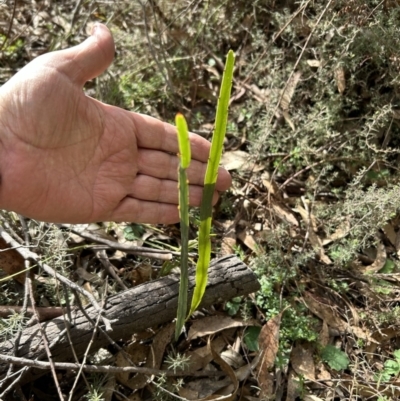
<point>90,58</point>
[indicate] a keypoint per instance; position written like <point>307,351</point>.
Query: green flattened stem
<point>217,144</point>
<point>183,185</point>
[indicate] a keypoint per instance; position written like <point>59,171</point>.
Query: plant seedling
<point>210,180</point>
<point>185,156</point>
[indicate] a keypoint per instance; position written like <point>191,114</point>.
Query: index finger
<point>155,134</point>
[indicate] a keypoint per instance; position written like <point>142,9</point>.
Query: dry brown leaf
<point>206,389</point>
<point>227,369</point>
<point>339,233</point>
<point>144,355</point>
<point>293,387</point>
<point>366,391</point>
<point>236,160</point>
<point>189,394</point>
<point>380,338</point>
<point>340,79</point>
<point>229,237</point>
<point>289,121</point>
<point>311,398</point>
<point>214,324</point>
<point>284,213</point>
<point>308,218</point>
<point>160,342</point>
<point>201,357</point>
<point>390,233</point>
<point>379,262</point>
<point>232,358</point>
<point>132,397</point>
<point>289,91</point>
<point>396,114</point>
<point>138,354</point>
<point>397,245</point>
<point>244,372</point>
<point>249,241</point>
<point>271,185</point>
<point>140,274</point>
<point>109,387</point>
<point>326,313</point>
<point>11,262</point>
<point>323,337</point>
<point>323,373</point>
<point>268,341</point>
<point>314,63</point>
<point>302,360</point>
<point>315,241</point>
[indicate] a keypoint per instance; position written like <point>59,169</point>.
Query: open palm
<point>65,157</point>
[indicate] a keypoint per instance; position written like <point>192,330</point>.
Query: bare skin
<point>65,157</point>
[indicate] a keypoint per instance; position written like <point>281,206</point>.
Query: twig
<point>84,358</point>
<point>14,383</point>
<point>29,287</point>
<point>27,254</point>
<point>68,333</point>
<point>10,26</point>
<point>153,53</point>
<point>45,313</point>
<point>102,255</point>
<point>140,250</point>
<point>249,74</point>
<point>23,311</point>
<point>300,57</point>
<point>291,178</point>
<point>105,368</point>
<point>75,13</point>
<point>44,338</point>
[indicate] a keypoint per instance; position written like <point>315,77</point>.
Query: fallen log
<point>132,311</point>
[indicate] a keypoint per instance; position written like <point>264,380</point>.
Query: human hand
<point>65,157</point>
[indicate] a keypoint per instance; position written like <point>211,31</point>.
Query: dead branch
<point>147,305</point>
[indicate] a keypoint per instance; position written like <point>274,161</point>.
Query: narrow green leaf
<point>183,184</point>
<point>183,139</point>
<point>209,182</point>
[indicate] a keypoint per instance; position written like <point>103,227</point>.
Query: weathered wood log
<point>131,311</point>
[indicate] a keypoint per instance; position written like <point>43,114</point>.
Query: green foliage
<point>251,338</point>
<point>275,270</point>
<point>233,306</point>
<point>177,362</point>
<point>133,232</point>
<point>165,390</point>
<point>335,358</point>
<point>94,394</point>
<point>390,368</point>
<point>184,162</point>
<point>10,326</point>
<point>296,323</point>
<point>12,50</point>
<point>204,243</point>
<point>210,179</point>
<point>346,143</point>
<point>138,91</point>
<point>388,268</point>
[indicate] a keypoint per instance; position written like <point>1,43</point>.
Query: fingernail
<point>95,27</point>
